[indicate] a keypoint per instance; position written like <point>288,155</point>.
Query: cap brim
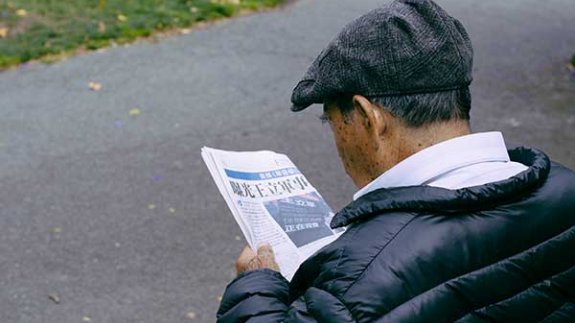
<point>304,95</point>
<point>298,107</point>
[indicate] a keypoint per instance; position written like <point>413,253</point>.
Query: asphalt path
<point>107,213</point>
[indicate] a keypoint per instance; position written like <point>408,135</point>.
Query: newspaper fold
<point>274,203</point>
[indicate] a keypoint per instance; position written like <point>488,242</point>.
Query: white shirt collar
<point>434,161</point>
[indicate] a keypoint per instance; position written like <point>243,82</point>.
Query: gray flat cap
<point>406,47</point>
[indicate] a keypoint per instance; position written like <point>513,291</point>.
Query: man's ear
<point>372,117</point>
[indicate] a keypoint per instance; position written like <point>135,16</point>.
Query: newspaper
<point>274,203</point>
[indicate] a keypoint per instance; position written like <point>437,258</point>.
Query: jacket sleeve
<point>257,295</point>
<point>263,296</point>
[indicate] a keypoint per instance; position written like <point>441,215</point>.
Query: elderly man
<point>447,225</point>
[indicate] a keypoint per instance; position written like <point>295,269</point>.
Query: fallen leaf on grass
<point>135,112</point>
<point>514,122</point>
<point>235,2</point>
<point>3,32</point>
<point>122,18</point>
<point>54,298</point>
<point>101,27</point>
<point>95,86</point>
<point>21,13</point>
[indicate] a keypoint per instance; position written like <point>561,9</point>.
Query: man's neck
<point>417,139</point>
<point>408,140</point>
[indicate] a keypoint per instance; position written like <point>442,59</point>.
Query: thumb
<point>267,258</point>
<point>265,250</point>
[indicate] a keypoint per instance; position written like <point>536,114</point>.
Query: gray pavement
<point>110,217</point>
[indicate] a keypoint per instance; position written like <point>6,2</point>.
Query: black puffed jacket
<point>500,252</point>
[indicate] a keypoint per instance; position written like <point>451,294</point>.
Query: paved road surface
<point>115,216</point>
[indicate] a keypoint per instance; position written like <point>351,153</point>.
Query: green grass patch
<point>35,29</point>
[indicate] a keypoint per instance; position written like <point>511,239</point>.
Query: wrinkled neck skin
<point>401,141</point>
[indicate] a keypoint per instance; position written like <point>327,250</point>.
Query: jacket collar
<point>435,199</point>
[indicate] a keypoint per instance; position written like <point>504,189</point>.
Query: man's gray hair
<point>416,110</point>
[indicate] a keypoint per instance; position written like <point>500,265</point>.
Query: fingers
<point>265,249</point>
<point>243,261</point>
<point>247,252</point>
<point>248,260</point>
<point>266,257</point>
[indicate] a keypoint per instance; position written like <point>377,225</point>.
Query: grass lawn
<point>45,29</point>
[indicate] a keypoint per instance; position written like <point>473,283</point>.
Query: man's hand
<point>250,261</point>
